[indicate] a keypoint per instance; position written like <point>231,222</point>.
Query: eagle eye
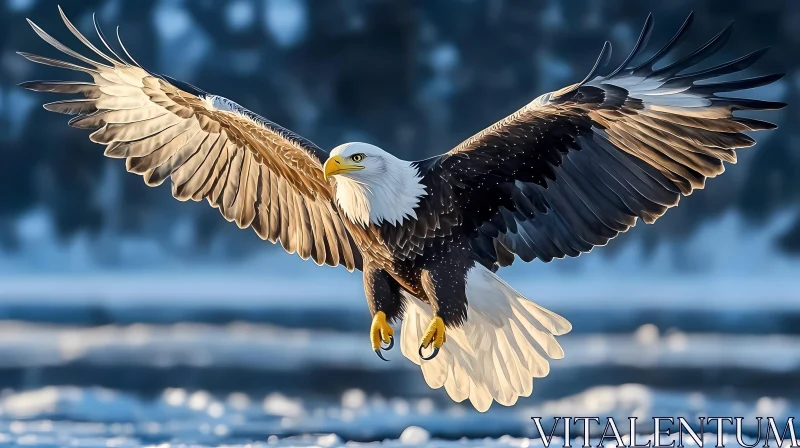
<point>357,157</point>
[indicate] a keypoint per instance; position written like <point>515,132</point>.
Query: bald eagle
<point>566,172</point>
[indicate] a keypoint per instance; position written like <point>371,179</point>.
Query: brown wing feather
<point>257,173</point>
<point>575,167</point>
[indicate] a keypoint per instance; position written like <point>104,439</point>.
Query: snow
<point>207,287</point>
<point>101,417</point>
<point>403,413</point>
<point>414,435</point>
<point>48,272</point>
<point>272,348</point>
<point>748,301</point>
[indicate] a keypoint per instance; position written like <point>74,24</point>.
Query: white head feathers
<point>388,189</point>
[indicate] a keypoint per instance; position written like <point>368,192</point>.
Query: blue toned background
<point>129,318</point>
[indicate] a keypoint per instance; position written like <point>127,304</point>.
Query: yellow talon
<point>381,331</point>
<point>434,335</point>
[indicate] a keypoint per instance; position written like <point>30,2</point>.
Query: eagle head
<point>373,185</point>
<point>358,161</point>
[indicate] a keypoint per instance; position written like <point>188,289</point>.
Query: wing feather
<point>82,38</point>
<point>575,167</point>
<point>261,219</point>
<point>139,130</point>
<point>274,206</point>
<point>86,88</point>
<point>156,176</point>
<point>257,173</point>
<point>211,169</point>
<point>71,107</point>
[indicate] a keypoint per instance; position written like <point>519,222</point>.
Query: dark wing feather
<point>576,167</point>
<point>257,173</point>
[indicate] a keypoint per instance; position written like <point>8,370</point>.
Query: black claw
<point>433,354</point>
<point>380,355</point>
<point>391,344</point>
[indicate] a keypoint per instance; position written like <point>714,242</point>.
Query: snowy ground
<point>100,417</point>
<point>201,354</point>
<point>243,382</point>
<point>269,348</point>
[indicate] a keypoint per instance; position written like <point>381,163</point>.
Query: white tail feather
<point>504,344</point>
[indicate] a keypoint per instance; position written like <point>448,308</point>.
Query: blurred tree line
<point>414,77</point>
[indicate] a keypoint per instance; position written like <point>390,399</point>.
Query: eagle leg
<point>435,335</point>
<point>381,333</point>
<point>444,283</point>
<point>385,304</point>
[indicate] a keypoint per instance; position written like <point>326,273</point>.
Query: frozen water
<point>46,269</point>
<point>402,412</point>
<point>233,383</point>
<point>96,417</point>
<point>272,348</point>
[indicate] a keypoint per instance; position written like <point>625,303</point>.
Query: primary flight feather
<point>567,172</point>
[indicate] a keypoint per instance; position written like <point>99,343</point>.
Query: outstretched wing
<point>257,173</point>
<point>576,167</point>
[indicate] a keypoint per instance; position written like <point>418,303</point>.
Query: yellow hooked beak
<point>337,165</point>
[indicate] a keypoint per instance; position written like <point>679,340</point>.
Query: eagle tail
<point>505,342</point>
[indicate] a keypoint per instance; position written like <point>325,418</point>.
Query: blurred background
<point>129,318</point>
